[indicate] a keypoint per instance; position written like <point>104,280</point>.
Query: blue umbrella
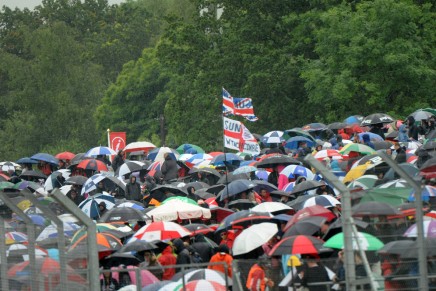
<point>158,153</point>
<point>229,157</point>
<point>226,223</point>
<point>261,184</point>
<point>262,174</point>
<point>26,160</point>
<point>292,170</point>
<point>236,187</point>
<point>45,158</point>
<point>244,169</point>
<point>293,142</point>
<point>90,205</point>
<point>100,151</point>
<point>247,163</point>
<point>427,192</point>
<point>36,219</point>
<point>353,119</point>
<point>372,136</point>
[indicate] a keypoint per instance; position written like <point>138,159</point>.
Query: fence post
<point>347,229</point>
<point>422,257</point>
<point>3,257</point>
<point>30,237</point>
<point>91,229</point>
<point>60,228</point>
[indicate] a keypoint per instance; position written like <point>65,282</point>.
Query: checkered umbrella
<point>275,136</point>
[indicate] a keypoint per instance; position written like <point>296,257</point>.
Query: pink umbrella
<point>147,277</point>
<point>329,153</point>
<point>429,229</point>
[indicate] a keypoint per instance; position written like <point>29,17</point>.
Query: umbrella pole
<point>4,260</point>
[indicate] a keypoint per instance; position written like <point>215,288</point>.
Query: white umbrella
<point>139,146</point>
<point>270,207</point>
<point>253,237</point>
<point>98,151</point>
<point>176,209</point>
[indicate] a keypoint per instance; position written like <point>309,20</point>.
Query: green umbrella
<point>180,198</point>
<point>365,182</point>
<point>392,196</point>
<point>5,184</point>
<point>186,146</point>
<point>357,147</point>
<point>366,241</point>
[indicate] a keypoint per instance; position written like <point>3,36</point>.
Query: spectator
<point>167,258</point>
<point>182,252</point>
<point>257,280</point>
<point>150,261</point>
<point>169,169</point>
<point>133,189</point>
<point>202,247</point>
<point>222,256</point>
<point>118,160</point>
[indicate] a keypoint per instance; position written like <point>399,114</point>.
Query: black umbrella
<point>77,159</point>
<point>261,184</point>
<point>397,247</point>
<point>373,208</point>
<point>236,187</point>
<point>377,118</point>
<point>119,258</point>
<point>410,169</point>
<point>241,204</point>
<point>382,145</point>
<point>243,215</point>
<point>204,194</point>
<point>118,214</point>
<point>337,125</point>
<point>281,193</point>
<point>430,146</point>
<point>137,246</point>
<point>170,188</point>
<point>306,226</point>
<point>76,180</point>
<point>215,189</point>
<point>196,228</point>
<point>205,171</point>
<point>273,161</point>
<point>336,227</point>
<point>296,204</point>
<point>306,186</point>
<point>33,174</point>
<point>392,134</point>
<point>197,185</point>
<point>230,177</point>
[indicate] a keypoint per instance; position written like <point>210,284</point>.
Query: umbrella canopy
<point>100,151</point>
<point>275,136</point>
<point>93,165</point>
<point>315,210</point>
<point>6,166</point>
<point>357,147</point>
<point>373,208</point>
<point>51,231</point>
<point>293,142</point>
<point>314,126</point>
<point>271,207</point>
<point>245,169</point>
<point>298,244</point>
<point>189,148</point>
<point>90,205</point>
<point>76,180</point>
<point>337,125</point>
<point>198,158</point>
<point>275,160</point>
<point>137,246</point>
<point>427,192</point>
<point>32,174</point>
<point>177,209</point>
<point>292,171</point>
<point>366,241</point>
<point>429,229</point>
<point>306,226</point>
<point>139,146</point>
<point>306,186</point>
<point>26,160</point>
<point>227,178</point>
<point>123,214</point>
<point>161,231</point>
<point>227,157</point>
<point>236,187</point>
<point>200,285</point>
<point>364,182</point>
<point>130,204</point>
<point>323,200</point>
<point>105,242</point>
<point>130,167</point>
<point>248,216</point>
<point>65,156</point>
<point>157,154</point>
<point>44,157</point>
<point>377,118</point>
<point>13,237</point>
<point>397,247</point>
<point>420,114</point>
<point>329,153</point>
<point>253,237</point>
<point>196,228</point>
<point>372,136</point>
<point>201,274</point>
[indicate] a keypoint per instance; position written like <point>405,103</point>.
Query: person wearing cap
<point>102,208</point>
<point>257,280</point>
<point>222,256</point>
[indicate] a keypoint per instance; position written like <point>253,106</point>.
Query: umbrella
<point>357,171</point>
<point>105,242</point>
<point>372,136</point>
<point>90,205</point>
<point>382,145</point>
<point>198,158</point>
<point>189,148</point>
<point>100,151</point>
<point>314,126</point>
<point>306,226</point>
<point>157,154</point>
<point>298,132</point>
<point>357,147</point>
<point>253,237</point>
<point>65,156</point>
<point>45,158</point>
<point>130,204</point>
<point>298,244</point>
<point>197,185</point>
<point>429,146</point>
<point>123,214</point>
<point>129,167</point>
<point>241,204</point>
<point>337,125</point>
<point>201,285</point>
<point>21,251</point>
<point>323,200</point>
<point>227,157</point>
<point>55,179</point>
<point>93,165</point>
<point>271,207</point>
<point>6,166</point>
<point>364,182</point>
<point>51,231</point>
<point>32,174</point>
<point>201,274</point>
<point>208,171</point>
<point>366,241</point>
<point>275,136</point>
<point>410,169</point>
<point>275,160</point>
<point>427,192</point>
<point>181,199</point>
<point>176,209</point>
<point>354,119</point>
<point>305,186</point>
<point>373,208</point>
<point>243,217</point>
<point>376,118</point>
<point>161,231</point>
<point>399,183</point>
<point>297,170</point>
<point>261,184</point>
<point>137,246</point>
<point>26,160</point>
<point>429,229</point>
<point>169,188</point>
<point>196,228</point>
<point>244,169</point>
<point>76,180</point>
<point>294,142</point>
<point>139,146</point>
<point>329,153</point>
<point>13,237</point>
<point>108,181</point>
<point>397,247</point>
<point>420,114</point>
<point>230,177</point>
<point>315,210</point>
<point>236,187</point>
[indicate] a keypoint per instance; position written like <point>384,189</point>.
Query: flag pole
<point>108,138</point>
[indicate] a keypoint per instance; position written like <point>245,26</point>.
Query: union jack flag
<point>238,106</point>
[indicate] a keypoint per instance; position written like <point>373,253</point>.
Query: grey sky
<point>32,3</point>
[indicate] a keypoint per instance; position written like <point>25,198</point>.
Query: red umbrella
<point>297,244</point>
<point>197,228</point>
<point>200,285</point>
<point>65,156</point>
<point>161,230</point>
<point>315,210</point>
<point>92,164</point>
<point>47,268</point>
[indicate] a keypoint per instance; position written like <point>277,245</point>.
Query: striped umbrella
<point>297,244</point>
<point>51,231</point>
<point>157,154</point>
<point>197,159</point>
<point>329,153</point>
<point>292,170</point>
<point>427,192</point>
<point>357,147</point>
<point>201,285</point>
<point>275,136</point>
<point>429,229</point>
<point>98,151</point>
<point>13,237</point>
<point>90,205</point>
<point>129,167</point>
<point>161,230</point>
<point>364,182</point>
<point>323,200</point>
<point>399,183</point>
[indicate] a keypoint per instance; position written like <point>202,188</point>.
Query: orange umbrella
<point>65,156</point>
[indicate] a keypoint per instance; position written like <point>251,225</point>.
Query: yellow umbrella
<point>24,204</point>
<point>294,261</point>
<point>357,172</point>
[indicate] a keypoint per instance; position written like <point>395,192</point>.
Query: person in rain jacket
<point>413,130</point>
<point>133,189</point>
<point>222,256</point>
<point>367,141</point>
<point>169,169</point>
<point>401,156</point>
<point>182,252</point>
<point>118,160</point>
<point>167,258</point>
<point>334,142</point>
<point>402,133</point>
<point>202,247</point>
